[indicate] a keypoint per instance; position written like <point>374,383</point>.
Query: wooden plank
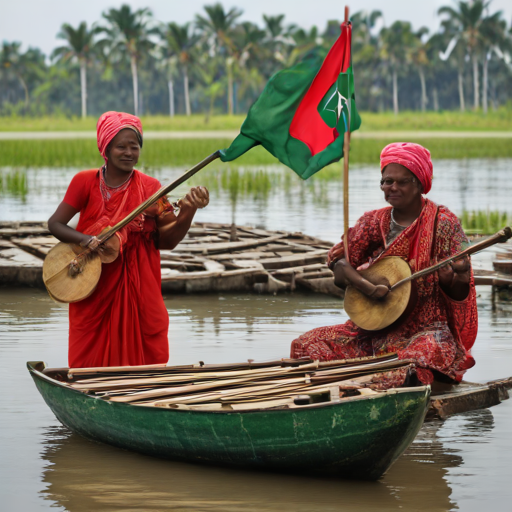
<point>468,396</point>
<point>232,246</point>
<point>316,256</point>
<point>491,277</point>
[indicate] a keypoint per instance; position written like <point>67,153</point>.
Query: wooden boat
<point>330,422</point>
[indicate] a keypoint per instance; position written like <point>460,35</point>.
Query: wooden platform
<point>467,396</point>
<point>211,258</point>
<point>218,258</point>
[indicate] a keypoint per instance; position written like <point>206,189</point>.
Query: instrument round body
<point>64,285</point>
<point>376,314</point>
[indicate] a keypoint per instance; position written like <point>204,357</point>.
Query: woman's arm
<point>171,228</point>
<point>57,224</point>
<point>345,275</point>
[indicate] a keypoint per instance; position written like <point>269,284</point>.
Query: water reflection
<point>84,476</point>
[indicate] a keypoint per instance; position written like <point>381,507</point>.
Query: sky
<point>37,22</point>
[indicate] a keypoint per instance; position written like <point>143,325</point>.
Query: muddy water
<point>463,463</point>
<point>460,464</point>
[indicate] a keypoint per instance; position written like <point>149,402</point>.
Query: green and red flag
<point>303,112</point>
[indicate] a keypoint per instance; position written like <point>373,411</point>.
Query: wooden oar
<point>500,237</point>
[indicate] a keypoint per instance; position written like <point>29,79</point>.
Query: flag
<point>303,112</point>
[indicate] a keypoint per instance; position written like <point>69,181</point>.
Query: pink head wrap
<point>110,124</point>
<point>413,156</point>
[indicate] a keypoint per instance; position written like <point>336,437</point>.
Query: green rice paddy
<point>83,153</point>
<point>13,183</point>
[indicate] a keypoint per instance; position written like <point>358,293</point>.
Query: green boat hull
<point>359,437</point>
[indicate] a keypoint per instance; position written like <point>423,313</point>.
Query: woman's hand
<point>197,197</point>
<point>454,278</point>
<point>345,274</point>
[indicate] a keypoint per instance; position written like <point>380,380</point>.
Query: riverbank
<point>499,120</point>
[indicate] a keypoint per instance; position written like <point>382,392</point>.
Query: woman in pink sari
<point>441,329</point>
<point>124,322</point>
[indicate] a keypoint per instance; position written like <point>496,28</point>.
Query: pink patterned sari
<point>439,332</point>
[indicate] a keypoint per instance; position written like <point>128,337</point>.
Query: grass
<point>500,120</point>
<point>13,183</point>
<point>83,153</point>
<point>484,222</point>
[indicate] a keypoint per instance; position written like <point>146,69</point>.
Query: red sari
<point>439,332</point>
<point>124,321</point>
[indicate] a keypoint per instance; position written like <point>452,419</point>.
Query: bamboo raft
<point>211,258</point>
<point>219,258</point>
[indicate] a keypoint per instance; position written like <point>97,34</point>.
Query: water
<point>460,464</point>
<point>284,201</point>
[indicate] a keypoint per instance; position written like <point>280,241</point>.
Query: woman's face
<point>124,150</point>
<point>401,188</point>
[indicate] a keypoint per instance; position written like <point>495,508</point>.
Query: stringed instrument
<point>376,314</point>
<point>71,272</point>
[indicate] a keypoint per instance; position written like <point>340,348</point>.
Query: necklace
<point>106,190</point>
<point>393,219</point>
<point>117,186</point>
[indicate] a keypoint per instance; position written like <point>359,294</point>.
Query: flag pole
<point>346,150</point>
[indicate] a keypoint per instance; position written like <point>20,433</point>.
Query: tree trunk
<point>135,81</point>
<point>170,84</point>
<point>461,91</point>
<point>423,90</point>
<point>476,91</point>
<point>395,93</point>
<point>186,89</point>
<point>25,88</point>
<point>83,86</point>
<point>435,99</point>
<point>229,69</point>
<point>485,83</point>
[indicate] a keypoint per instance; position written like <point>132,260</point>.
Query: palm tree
<point>80,48</point>
<point>467,20</point>
<point>13,62</point>
<point>363,22</point>
<point>395,42</point>
<point>181,42</point>
<point>365,55</point>
<point>277,37</point>
<point>248,51</point>
<point>493,35</point>
<point>129,33</point>
<point>454,45</point>
<point>418,56</point>
<point>217,27</point>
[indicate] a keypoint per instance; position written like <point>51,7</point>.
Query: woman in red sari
<point>124,321</point>
<point>441,329</point>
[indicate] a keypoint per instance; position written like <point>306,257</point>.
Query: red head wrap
<point>111,123</point>
<point>413,156</point>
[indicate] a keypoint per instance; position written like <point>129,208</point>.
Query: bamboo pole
<point>500,237</point>
<point>157,195</point>
<point>346,150</point>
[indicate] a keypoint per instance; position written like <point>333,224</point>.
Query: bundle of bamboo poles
<point>244,385</point>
